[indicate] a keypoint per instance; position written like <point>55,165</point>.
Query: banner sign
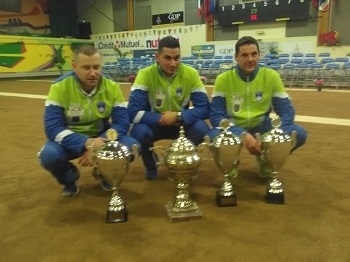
<point>144,53</point>
<point>168,19</point>
<point>203,50</point>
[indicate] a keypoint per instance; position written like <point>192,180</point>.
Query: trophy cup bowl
<point>276,147</point>
<point>226,149</point>
<point>182,160</point>
<point>112,163</point>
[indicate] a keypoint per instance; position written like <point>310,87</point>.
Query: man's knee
<point>49,155</point>
<point>198,131</point>
<point>301,134</point>
<point>140,132</point>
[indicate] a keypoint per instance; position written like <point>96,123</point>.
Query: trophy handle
<point>259,141</point>
<point>205,144</point>
<point>294,138</point>
<point>135,150</point>
<point>159,155</point>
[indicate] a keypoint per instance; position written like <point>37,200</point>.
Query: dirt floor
<point>37,224</point>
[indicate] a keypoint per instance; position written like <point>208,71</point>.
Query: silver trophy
<point>275,150</point>
<point>226,149</point>
<point>112,164</point>
<point>182,160</point>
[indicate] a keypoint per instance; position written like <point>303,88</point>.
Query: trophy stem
<point>274,191</point>
<point>116,211</point>
<point>226,196</point>
<point>183,200</point>
<point>183,208</point>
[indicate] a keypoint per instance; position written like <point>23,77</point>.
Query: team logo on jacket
<point>237,101</point>
<point>101,107</point>
<point>75,112</point>
<point>258,96</point>
<point>159,98</point>
<point>179,92</point>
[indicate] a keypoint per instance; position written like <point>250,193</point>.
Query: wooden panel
<point>323,22</point>
<point>131,18</point>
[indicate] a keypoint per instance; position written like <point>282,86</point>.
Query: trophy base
<point>225,201</point>
<point>185,215</point>
<point>275,198</point>
<point>117,216</point>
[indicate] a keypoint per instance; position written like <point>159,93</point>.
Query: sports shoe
<point>151,174</point>
<point>103,183</point>
<point>70,191</point>
<point>265,171</point>
<point>132,158</point>
<point>233,173</point>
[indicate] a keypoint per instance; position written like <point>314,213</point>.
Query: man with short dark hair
<point>246,95</point>
<point>79,108</point>
<point>160,100</point>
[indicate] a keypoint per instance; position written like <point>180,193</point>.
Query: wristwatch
<point>178,117</point>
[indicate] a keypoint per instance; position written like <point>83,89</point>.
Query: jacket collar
<point>246,78</point>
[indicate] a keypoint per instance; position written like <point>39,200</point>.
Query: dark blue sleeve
<point>55,123</point>
<point>138,101</point>
<point>218,113</point>
<point>120,120</point>
<point>284,109</point>
<point>200,109</point>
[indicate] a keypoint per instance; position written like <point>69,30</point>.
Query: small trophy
<point>226,149</point>
<point>276,147</point>
<point>182,160</point>
<point>112,163</point>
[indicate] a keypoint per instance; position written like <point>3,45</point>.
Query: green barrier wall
<point>36,55</point>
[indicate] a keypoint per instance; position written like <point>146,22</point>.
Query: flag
<point>315,3</point>
<point>199,8</point>
<point>212,7</point>
<point>324,5</point>
<point>209,10</point>
<point>206,10</point>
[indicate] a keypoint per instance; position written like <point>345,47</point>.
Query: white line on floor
<point>310,119</point>
<point>22,95</point>
<point>36,80</point>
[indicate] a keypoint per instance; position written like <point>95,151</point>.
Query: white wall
<point>101,22</point>
<point>268,31</point>
<point>167,6</point>
<point>195,35</point>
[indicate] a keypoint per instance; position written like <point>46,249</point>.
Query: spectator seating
<point>284,55</point>
<point>310,55</point>
<point>324,54</point>
<point>297,55</point>
<point>310,60</point>
<point>296,69</point>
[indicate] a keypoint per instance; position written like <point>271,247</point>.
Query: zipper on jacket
<point>248,102</point>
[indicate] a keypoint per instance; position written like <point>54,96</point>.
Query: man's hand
<point>85,160</point>
<point>95,143</point>
<point>168,118</point>
<point>91,145</point>
<point>251,144</point>
<point>99,141</point>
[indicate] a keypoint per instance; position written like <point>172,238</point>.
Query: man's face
<point>169,60</point>
<point>247,58</point>
<point>88,70</point>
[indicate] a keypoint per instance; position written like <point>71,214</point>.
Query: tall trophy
<point>112,164</point>
<point>226,149</point>
<point>182,160</point>
<point>276,147</point>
